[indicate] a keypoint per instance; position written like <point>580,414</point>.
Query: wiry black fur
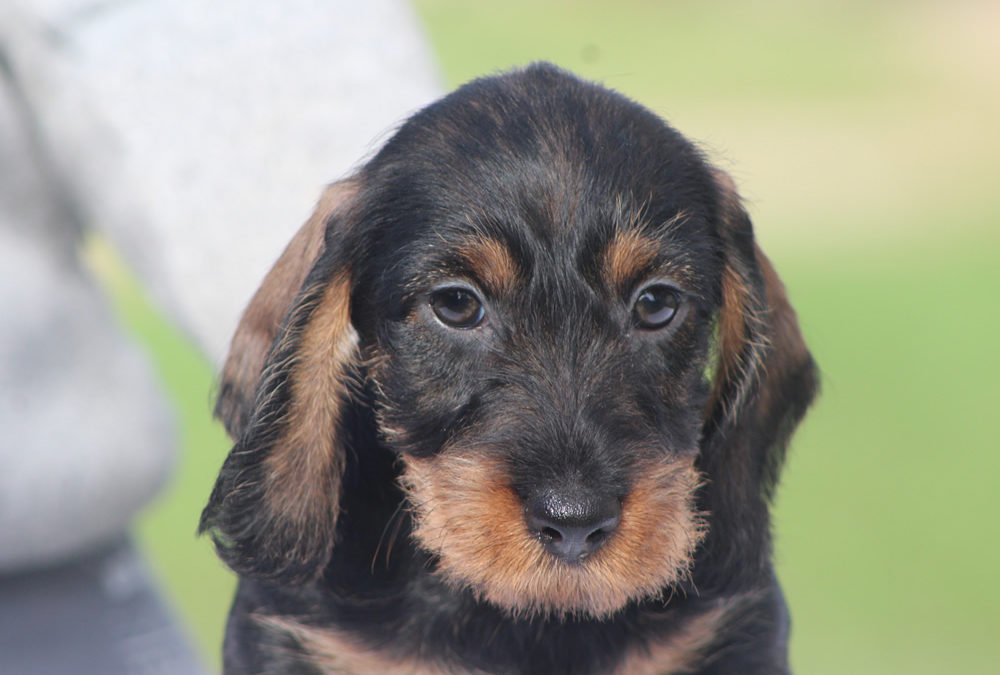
<point>558,380</point>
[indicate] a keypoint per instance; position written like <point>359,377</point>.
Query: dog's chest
<point>333,651</point>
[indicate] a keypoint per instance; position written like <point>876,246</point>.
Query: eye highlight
<point>655,306</point>
<point>457,307</point>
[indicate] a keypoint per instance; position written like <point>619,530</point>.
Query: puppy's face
<point>537,325</point>
<point>556,308</point>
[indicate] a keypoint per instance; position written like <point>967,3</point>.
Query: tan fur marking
<point>627,256</point>
<point>262,318</point>
<point>305,466</point>
<point>337,652</point>
<point>683,650</point>
<point>737,300</point>
<point>491,262</point>
<point>467,514</point>
<point>732,323</point>
<point>782,335</point>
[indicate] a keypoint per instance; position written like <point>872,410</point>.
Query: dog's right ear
<point>284,389</point>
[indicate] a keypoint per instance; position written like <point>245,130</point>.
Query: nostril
<point>551,534</point>
<point>597,537</point>
<point>605,529</point>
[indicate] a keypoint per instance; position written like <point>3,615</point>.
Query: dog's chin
<point>561,593</point>
<point>472,522</point>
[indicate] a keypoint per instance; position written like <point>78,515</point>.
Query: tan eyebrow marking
<point>491,262</point>
<point>634,250</point>
<point>628,255</point>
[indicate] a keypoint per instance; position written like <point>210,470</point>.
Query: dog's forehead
<point>540,173</point>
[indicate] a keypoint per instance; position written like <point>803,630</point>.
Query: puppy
<point>514,400</point>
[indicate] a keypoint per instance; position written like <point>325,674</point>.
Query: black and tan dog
<point>514,400</point>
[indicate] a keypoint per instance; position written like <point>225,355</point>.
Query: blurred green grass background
<point>865,139</point>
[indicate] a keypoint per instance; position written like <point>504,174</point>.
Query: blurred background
<point>864,137</point>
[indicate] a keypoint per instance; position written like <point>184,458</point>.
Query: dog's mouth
<point>559,554</point>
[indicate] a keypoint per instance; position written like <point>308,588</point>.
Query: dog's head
<point>557,314</point>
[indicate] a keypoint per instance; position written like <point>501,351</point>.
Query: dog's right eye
<point>457,307</point>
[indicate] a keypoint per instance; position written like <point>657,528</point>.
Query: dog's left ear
<point>765,377</point>
<point>285,387</point>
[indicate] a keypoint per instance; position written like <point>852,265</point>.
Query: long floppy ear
<point>263,317</point>
<point>765,377</point>
<point>285,385</point>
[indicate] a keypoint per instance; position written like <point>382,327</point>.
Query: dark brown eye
<point>457,307</point>
<point>655,307</point>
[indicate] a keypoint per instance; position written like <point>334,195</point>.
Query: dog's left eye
<point>457,307</point>
<point>655,306</point>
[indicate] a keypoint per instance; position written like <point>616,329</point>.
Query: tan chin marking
<point>468,516</point>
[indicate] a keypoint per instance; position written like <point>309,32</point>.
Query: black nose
<point>572,524</point>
